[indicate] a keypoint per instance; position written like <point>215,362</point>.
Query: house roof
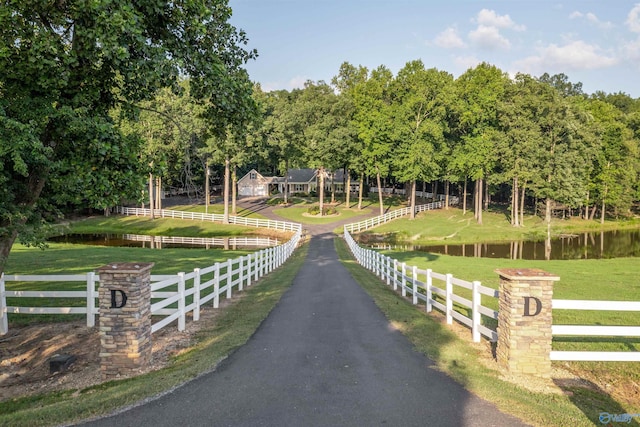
<point>301,175</point>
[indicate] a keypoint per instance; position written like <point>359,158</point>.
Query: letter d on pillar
<point>527,306</point>
<point>114,299</point>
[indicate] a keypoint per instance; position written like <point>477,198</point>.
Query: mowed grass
<point>451,226</point>
<point>297,214</point>
<point>217,208</point>
<point>162,227</point>
<point>467,363</point>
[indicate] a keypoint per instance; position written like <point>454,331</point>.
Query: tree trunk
<point>234,191</point>
<point>522,206</point>
<point>333,189</point>
<point>487,197</point>
<point>347,188</point>
<point>547,218</point>
<point>446,194</point>
<point>413,200</point>
<point>321,190</point>
<point>207,191</point>
<point>286,182</point>
<point>378,180</point>
<point>225,217</point>
<point>360,190</point>
<point>464,197</point>
<point>159,193</point>
<point>434,189</point>
<point>151,203</point>
<point>515,218</point>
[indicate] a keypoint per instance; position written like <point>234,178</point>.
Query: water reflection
<point>610,244</point>
<point>159,242</point>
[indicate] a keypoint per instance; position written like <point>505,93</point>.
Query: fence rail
<point>381,219</point>
<point>172,296</point>
<point>204,241</point>
<point>250,222</point>
<point>419,284</point>
<point>596,331</point>
<point>444,298</point>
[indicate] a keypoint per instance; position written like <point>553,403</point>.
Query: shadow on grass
<point>586,396</point>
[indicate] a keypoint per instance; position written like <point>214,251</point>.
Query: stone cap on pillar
<point>126,267</point>
<point>526,274</point>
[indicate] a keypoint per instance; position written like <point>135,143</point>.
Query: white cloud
<point>466,62</point>
<point>296,82</point>
<point>490,18</point>
<point>576,55</point>
<point>591,18</point>
<point>489,38</point>
<point>449,39</point>
<point>633,19</point>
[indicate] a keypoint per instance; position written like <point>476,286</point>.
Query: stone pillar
<point>524,321</point>
<point>125,318</point>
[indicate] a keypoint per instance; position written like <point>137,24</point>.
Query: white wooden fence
<point>419,284</point>
<point>596,331</point>
<point>204,241</point>
<point>381,219</point>
<point>238,220</point>
<point>173,296</point>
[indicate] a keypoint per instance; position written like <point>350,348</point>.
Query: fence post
<point>229,277</point>
<point>415,285</point>
<point>241,274</point>
<point>181,303</point>
<point>404,279</point>
<point>216,285</point>
<point>4,323</point>
<point>449,301</point>
<point>429,284</point>
<point>196,294</point>
<point>395,274</point>
<point>476,302</point>
<point>125,318</point>
<point>525,321</point>
<point>91,299</point>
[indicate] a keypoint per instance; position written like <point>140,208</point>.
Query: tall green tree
<point>615,171</point>
<point>65,65</point>
<point>420,102</point>
<point>479,92</point>
<point>374,119</point>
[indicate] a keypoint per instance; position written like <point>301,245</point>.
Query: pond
<point>159,242</point>
<point>608,244</point>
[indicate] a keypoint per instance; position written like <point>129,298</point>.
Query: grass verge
<point>232,329</point>
<point>578,406</point>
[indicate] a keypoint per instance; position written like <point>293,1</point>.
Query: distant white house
<point>254,184</point>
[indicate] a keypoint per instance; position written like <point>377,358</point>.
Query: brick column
<point>524,321</point>
<point>125,318</point>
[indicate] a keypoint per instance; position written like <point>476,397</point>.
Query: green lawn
<point>163,227</point>
<point>451,226</point>
<point>296,214</point>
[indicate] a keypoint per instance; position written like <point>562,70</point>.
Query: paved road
<point>325,356</point>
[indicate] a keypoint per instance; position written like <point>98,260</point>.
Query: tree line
<point>98,100</point>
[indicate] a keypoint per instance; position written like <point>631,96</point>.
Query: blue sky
<point>593,42</point>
